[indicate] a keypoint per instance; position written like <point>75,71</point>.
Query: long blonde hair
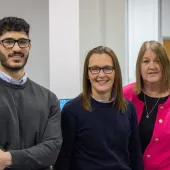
<point>160,52</point>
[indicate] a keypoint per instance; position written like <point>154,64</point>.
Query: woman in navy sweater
<point>100,129</point>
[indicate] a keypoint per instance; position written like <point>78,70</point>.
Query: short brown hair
<point>160,52</point>
<point>119,101</point>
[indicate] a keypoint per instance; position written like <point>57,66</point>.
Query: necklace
<point>148,113</point>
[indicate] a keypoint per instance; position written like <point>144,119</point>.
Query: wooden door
<point>166,44</point>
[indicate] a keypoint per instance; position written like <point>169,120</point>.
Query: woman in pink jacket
<point>150,95</point>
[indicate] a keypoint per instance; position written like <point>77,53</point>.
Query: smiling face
<point>101,83</point>
<point>13,59</point>
<point>151,71</point>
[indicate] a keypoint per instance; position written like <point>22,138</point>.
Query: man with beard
<point>30,132</point>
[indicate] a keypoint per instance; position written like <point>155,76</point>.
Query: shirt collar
<point>9,79</point>
<point>102,101</point>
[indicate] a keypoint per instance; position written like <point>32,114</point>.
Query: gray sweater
<point>29,125</point>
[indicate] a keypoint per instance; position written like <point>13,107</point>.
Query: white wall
<point>77,26</point>
<point>143,25</point>
<point>90,29</point>
<point>36,13</point>
<point>165,11</point>
<point>60,67</point>
<point>64,48</point>
<point>115,31</point>
<point>103,22</point>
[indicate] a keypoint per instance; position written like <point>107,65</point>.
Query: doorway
<point>166,44</point>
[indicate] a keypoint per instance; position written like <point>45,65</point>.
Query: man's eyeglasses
<point>106,69</point>
<point>9,43</point>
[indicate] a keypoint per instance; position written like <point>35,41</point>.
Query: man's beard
<point>4,62</point>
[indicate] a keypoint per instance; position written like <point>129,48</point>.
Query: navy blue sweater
<point>103,139</point>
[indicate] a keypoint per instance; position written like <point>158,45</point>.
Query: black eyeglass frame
<point>14,41</point>
<point>102,68</point>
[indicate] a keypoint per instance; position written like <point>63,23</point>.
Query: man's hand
<point>5,159</point>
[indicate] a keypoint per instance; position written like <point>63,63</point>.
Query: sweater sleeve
<point>136,161</point>
<point>69,132</point>
<point>44,154</point>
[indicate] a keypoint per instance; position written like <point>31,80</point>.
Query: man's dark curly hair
<point>8,24</point>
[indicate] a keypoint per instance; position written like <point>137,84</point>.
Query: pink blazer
<point>157,153</point>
